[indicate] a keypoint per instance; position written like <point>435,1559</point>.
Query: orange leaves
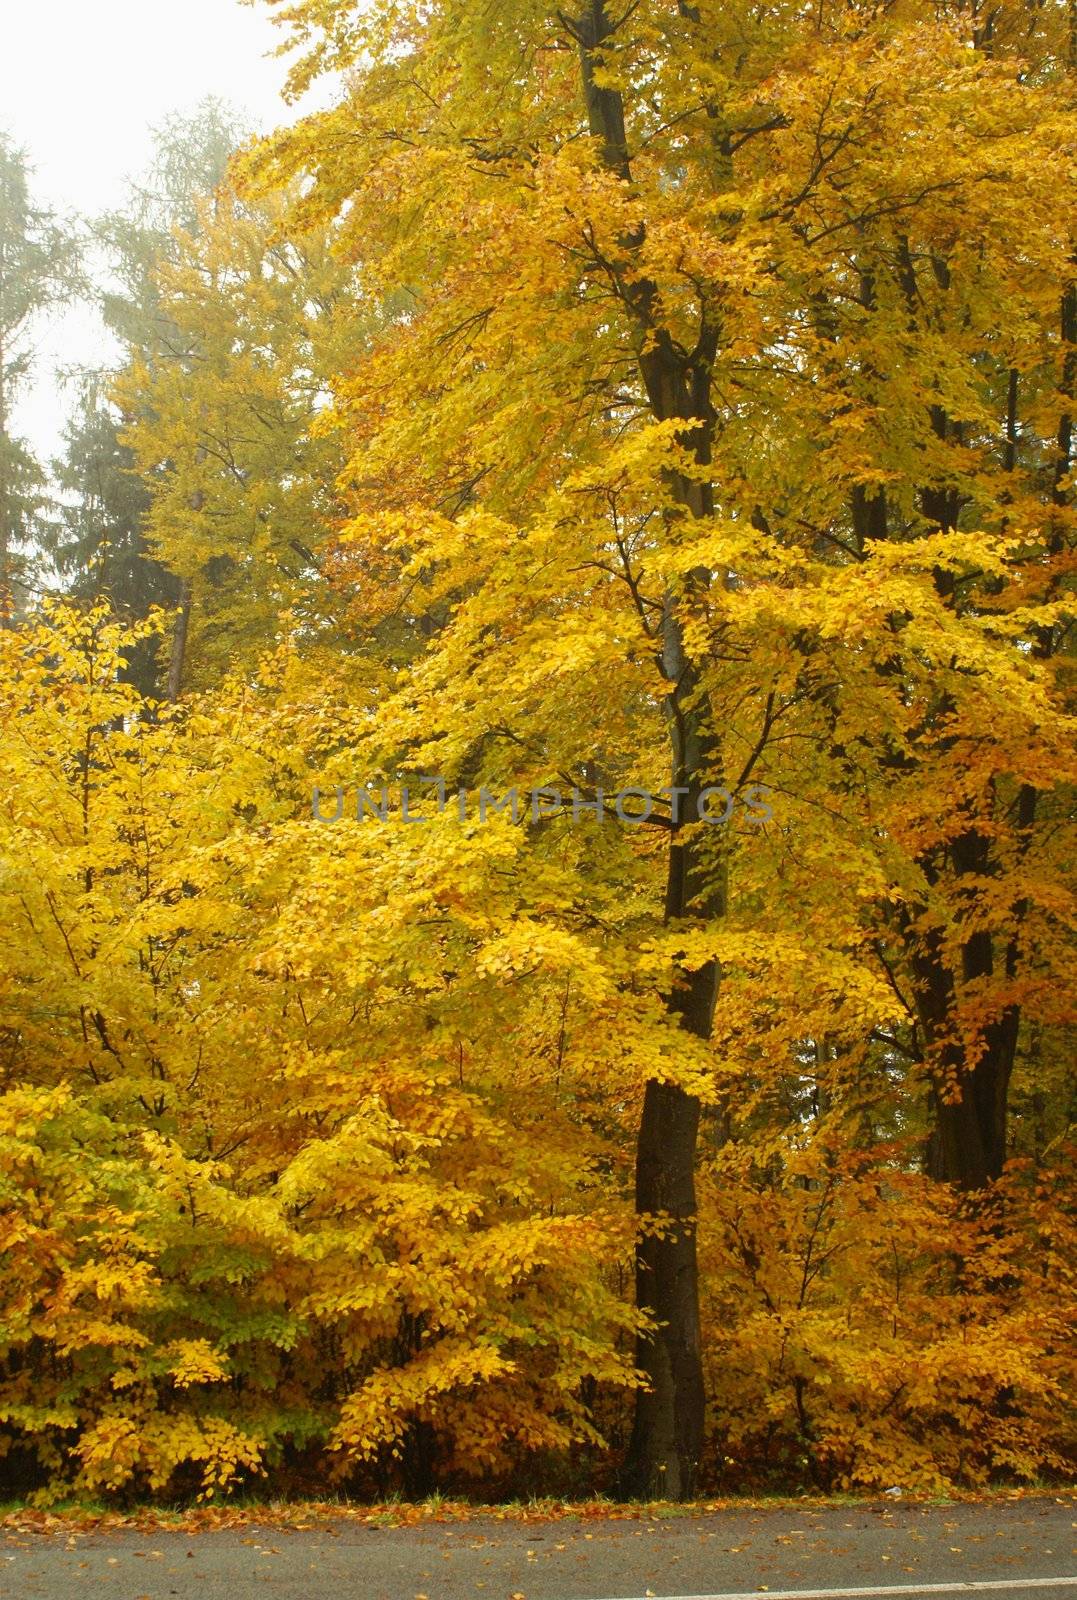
<point>871,1313</point>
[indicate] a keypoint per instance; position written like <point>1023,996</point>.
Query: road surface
<point>1019,1550</point>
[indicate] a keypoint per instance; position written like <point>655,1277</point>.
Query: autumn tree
<point>262,1234</point>
<point>241,478</point>
<point>699,396</point>
<point>190,157</point>
<point>935,369</point>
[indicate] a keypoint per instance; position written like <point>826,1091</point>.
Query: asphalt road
<point>1017,1550</point>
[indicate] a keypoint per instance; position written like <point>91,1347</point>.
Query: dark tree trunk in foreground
<point>667,1435</point>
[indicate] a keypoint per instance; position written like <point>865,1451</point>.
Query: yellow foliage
<point>673,400</point>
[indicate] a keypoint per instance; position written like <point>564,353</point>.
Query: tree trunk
<point>667,1432</point>
<point>178,658</point>
<point>667,1435</point>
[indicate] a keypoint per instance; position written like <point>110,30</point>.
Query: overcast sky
<point>82,82</point>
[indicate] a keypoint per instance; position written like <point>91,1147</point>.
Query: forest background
<point>661,396</point>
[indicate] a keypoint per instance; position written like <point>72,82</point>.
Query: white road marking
<point>893,1589</point>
